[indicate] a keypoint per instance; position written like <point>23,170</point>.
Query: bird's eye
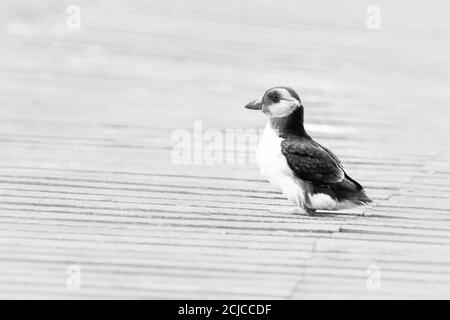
<point>274,96</point>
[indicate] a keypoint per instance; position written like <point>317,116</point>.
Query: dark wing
<point>310,161</point>
<point>335,158</point>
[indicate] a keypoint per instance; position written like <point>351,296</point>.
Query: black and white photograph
<point>200,150</point>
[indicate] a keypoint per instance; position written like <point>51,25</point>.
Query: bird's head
<point>278,102</point>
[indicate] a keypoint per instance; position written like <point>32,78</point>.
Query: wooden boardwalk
<point>86,124</point>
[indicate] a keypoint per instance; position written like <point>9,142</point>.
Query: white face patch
<point>281,109</point>
<point>284,107</point>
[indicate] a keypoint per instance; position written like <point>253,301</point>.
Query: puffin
<point>308,174</point>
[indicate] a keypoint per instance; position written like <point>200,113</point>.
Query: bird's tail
<point>352,191</point>
<point>359,198</point>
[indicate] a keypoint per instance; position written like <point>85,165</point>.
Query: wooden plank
<point>87,178</point>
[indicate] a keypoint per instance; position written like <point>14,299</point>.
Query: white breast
<point>274,167</point>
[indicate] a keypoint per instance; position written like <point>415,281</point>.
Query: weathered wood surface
<point>86,176</point>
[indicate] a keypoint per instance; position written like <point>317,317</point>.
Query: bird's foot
<point>310,212</point>
<point>302,210</point>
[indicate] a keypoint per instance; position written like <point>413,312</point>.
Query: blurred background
<point>87,115</point>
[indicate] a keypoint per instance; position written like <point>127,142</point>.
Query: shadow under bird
<point>307,173</point>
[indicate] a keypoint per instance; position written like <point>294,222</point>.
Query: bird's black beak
<point>254,105</point>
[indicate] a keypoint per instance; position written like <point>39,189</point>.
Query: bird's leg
<point>308,191</point>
